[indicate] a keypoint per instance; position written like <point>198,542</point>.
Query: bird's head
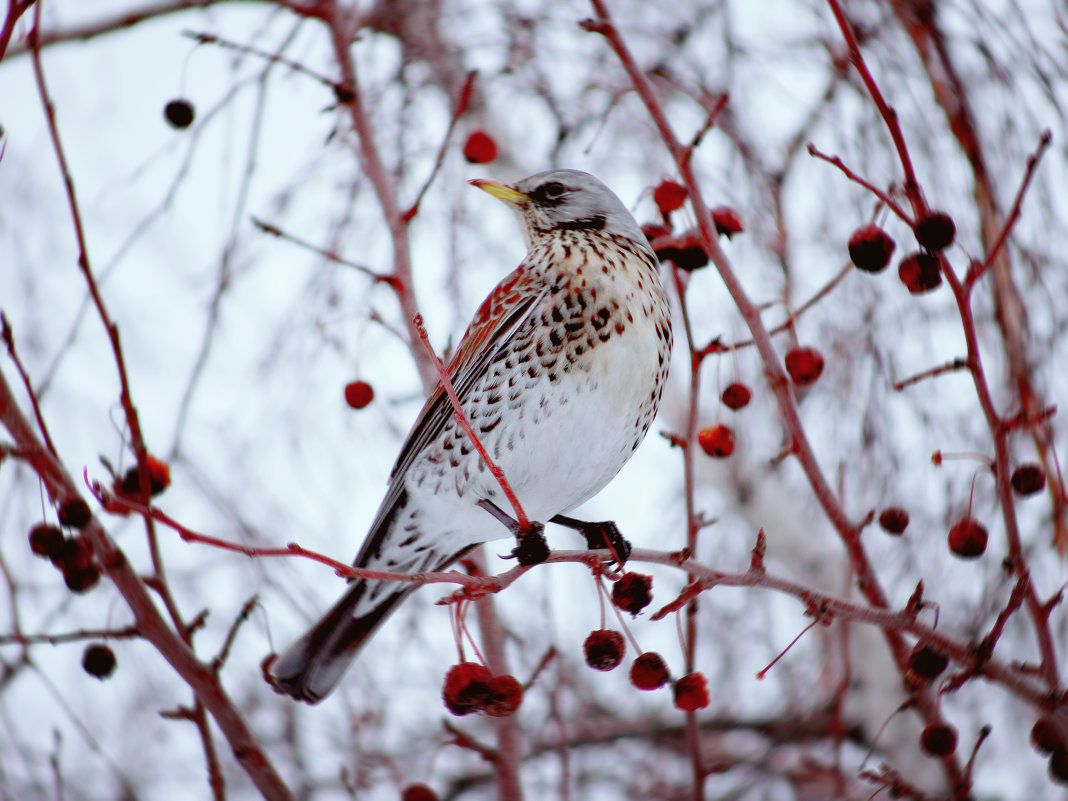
<point>565,200</point>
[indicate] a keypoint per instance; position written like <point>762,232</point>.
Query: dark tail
<point>310,668</point>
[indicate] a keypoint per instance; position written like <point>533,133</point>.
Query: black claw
<point>600,535</point>
<point>531,547</point>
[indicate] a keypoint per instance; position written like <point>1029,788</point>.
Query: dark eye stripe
<point>549,194</point>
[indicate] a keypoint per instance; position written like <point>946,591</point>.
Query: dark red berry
<point>870,248</point>
<point>935,231</point>
<point>359,394</point>
<point>691,692</point>
<point>939,739</point>
<point>466,688</point>
<point>649,671</point>
<point>46,541</point>
<point>1058,766</point>
<point>1046,737</point>
<point>74,513</point>
<point>927,662</point>
<point>894,520</point>
<point>179,113</point>
<point>159,478</point>
<point>919,272</point>
<point>480,148</point>
<point>604,649</point>
<point>503,697</point>
<point>717,441</point>
<point>76,553</point>
<point>967,538</point>
<point>98,660</point>
<point>633,592</point>
<point>736,396</point>
<point>81,579</point>
<point>804,365</point>
<point>691,254</point>
<point>418,792</point>
<point>727,221</point>
<point>1027,479</point>
<point>669,196</point>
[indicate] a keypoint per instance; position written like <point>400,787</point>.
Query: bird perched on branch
<point>559,375</point>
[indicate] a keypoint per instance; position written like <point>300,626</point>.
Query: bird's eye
<point>547,193</point>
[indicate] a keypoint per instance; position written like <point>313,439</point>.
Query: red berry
<point>935,231</point>
<point>480,148</point>
<point>359,394</point>
<point>418,792</point>
<point>1058,766</point>
<point>98,660</point>
<point>894,520</point>
<point>159,478</point>
<point>74,513</point>
<point>736,396</point>
<point>967,538</point>
<point>179,113</point>
<point>939,739</point>
<point>870,248</point>
<point>47,540</point>
<point>81,579</point>
<point>691,692</point>
<point>503,697</point>
<point>466,688</point>
<point>927,662</point>
<point>804,365</point>
<point>649,671</point>
<point>669,196</point>
<point>717,441</point>
<point>76,553</point>
<point>633,592</point>
<point>919,272</point>
<point>727,221</point>
<point>1045,736</point>
<point>604,649</point>
<point>688,253</point>
<point>1027,479</point>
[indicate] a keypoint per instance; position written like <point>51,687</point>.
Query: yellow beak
<point>499,191</point>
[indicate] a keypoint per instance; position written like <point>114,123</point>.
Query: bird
<point>559,374</point>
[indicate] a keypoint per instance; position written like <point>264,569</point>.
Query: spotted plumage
<point>559,374</point>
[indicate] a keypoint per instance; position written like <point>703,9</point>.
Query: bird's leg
<point>531,547</point>
<point>599,534</point>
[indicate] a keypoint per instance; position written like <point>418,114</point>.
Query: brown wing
<point>501,314</point>
<point>499,317</point>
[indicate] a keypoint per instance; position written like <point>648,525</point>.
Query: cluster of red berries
<point>71,555</point>
<point>604,650</point>
<point>685,250</point>
<point>870,248</point>
<point>470,687</point>
<point>1047,738</point>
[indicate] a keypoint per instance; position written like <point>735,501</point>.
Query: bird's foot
<point>599,535</point>
<point>531,547</point>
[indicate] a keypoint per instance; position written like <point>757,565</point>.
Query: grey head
<point>565,200</point>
